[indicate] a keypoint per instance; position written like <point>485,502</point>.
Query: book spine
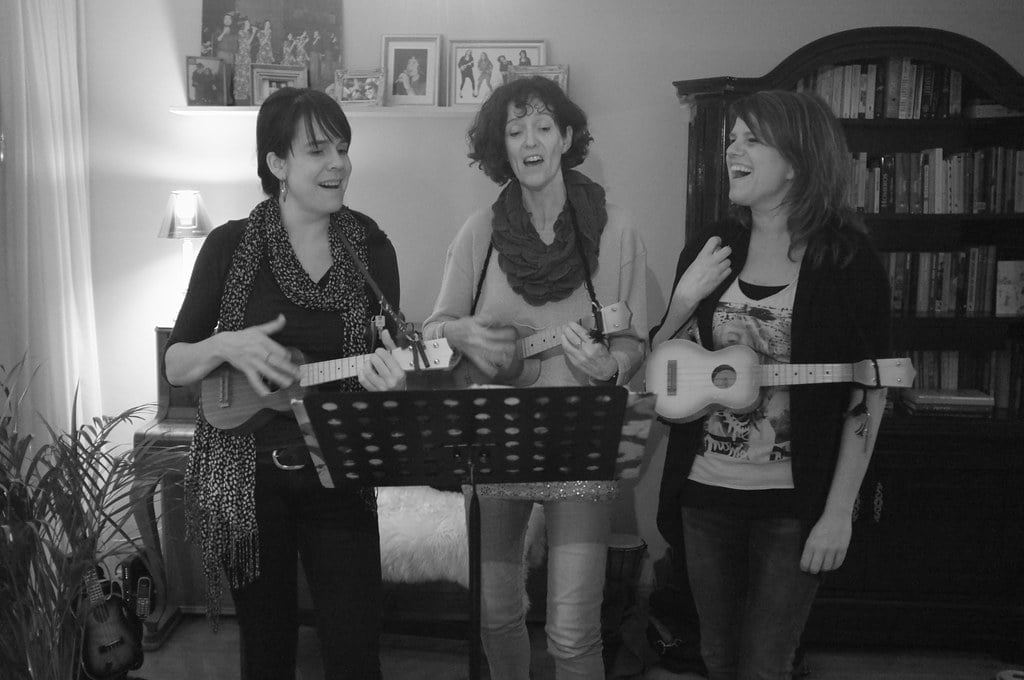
<point>893,77</point>
<point>870,90</point>
<point>956,95</point>
<point>970,305</point>
<point>901,183</point>
<point>927,90</point>
<point>905,106</point>
<point>924,283</point>
<point>887,184</point>
<point>915,188</point>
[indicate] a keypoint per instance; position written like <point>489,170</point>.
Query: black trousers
<point>335,531</point>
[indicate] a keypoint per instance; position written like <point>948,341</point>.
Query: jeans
<point>752,598</point>
<point>336,533</point>
<point>577,539</point>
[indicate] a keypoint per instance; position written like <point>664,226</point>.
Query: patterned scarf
<point>220,476</point>
<point>537,271</point>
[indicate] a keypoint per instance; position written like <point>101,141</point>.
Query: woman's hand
<point>381,372</point>
<point>491,347</point>
<point>710,268</point>
<point>259,358</point>
<point>593,358</point>
<point>826,546</point>
<point>705,273</point>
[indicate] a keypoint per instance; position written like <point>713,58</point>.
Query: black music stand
<point>464,437</point>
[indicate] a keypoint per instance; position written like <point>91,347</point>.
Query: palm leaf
<point>65,504</point>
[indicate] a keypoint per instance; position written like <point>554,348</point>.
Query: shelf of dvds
<point>942,192</point>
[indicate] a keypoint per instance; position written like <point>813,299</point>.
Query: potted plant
<point>66,505</point>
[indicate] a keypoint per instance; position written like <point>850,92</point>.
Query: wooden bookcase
<point>938,551</point>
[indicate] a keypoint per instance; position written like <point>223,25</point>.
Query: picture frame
<point>206,82</point>
<point>358,86</point>
<point>297,32</point>
<point>412,69</point>
<point>556,72</point>
<point>269,77</point>
<point>476,67</point>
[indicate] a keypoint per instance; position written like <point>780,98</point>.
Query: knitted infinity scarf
<point>537,271</point>
<point>220,476</point>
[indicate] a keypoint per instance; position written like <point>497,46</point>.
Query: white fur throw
<point>423,535</point>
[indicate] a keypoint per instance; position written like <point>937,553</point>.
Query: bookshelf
<point>939,486</point>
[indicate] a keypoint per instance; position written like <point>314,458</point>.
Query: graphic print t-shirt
<point>751,451</point>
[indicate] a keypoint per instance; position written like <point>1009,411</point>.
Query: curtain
<point>45,261</point>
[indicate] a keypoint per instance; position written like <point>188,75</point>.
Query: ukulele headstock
<point>897,372</point>
<point>438,355</point>
<point>610,320</point>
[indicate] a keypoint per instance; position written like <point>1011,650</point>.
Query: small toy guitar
<point>523,372</point>
<point>110,644</point>
<point>231,404</point>
<point>691,381</point>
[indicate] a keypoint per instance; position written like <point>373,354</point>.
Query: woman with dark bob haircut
<point>763,500</point>
<point>548,252</point>
<point>285,279</point>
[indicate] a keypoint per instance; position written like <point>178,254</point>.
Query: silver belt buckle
<point>284,466</point>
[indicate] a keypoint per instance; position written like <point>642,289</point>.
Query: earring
<point>283,195</point>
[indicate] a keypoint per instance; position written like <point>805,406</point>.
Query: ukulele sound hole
<point>723,377</point>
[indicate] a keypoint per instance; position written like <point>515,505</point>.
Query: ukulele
<point>523,371</point>
<point>110,644</point>
<point>230,403</point>
<point>691,381</point>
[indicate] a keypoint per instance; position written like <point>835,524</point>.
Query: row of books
<point>954,369</point>
<point>896,87</point>
<point>943,283</point>
<point>967,382</point>
<point>989,180</point>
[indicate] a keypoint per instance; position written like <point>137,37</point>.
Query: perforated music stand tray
<point>464,437</point>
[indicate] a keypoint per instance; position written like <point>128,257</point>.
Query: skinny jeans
<point>577,550</point>
<point>752,598</point>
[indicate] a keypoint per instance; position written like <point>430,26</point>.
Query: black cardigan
<point>840,315</point>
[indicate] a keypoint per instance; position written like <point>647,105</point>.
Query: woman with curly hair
<point>549,250</point>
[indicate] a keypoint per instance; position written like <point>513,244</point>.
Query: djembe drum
<point>625,558</point>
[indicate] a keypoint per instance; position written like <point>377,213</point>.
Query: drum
<point>625,557</point>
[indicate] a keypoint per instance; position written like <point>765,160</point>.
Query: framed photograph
<point>207,81</point>
<point>556,72</point>
<point>412,68</point>
<point>294,33</point>
<point>476,67</point>
<point>358,86</point>
<point>269,77</point>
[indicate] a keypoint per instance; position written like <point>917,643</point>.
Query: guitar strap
<point>409,336</point>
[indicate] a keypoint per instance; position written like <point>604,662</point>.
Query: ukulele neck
<point>320,372</point>
<point>804,374</point>
<point>540,341</point>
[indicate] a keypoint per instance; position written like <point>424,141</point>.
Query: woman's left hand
<point>381,372</point>
<point>826,546</point>
<point>593,358</point>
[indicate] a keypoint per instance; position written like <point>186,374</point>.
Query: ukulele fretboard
<point>320,372</point>
<point>804,374</point>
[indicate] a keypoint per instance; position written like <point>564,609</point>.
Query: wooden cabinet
<point>938,549</point>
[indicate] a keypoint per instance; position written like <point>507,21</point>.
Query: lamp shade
<point>185,216</point>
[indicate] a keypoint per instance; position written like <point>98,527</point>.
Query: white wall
<point>410,172</point>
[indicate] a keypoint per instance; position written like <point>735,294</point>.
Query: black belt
<point>285,458</point>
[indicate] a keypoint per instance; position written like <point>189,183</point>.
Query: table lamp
<point>185,219</point>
